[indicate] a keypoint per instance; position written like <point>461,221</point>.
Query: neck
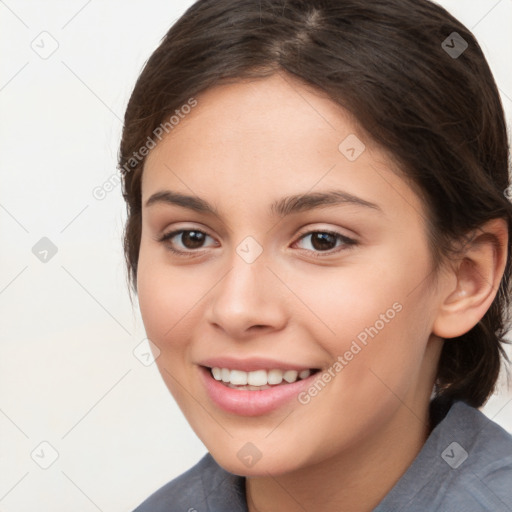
<point>355,480</point>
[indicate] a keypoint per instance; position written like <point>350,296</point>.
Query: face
<point>302,256</point>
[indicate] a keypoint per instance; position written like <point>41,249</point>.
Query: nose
<point>248,301</point>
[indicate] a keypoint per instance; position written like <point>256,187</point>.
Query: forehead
<point>274,110</point>
<point>255,138</point>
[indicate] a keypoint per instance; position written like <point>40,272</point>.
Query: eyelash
<point>348,242</point>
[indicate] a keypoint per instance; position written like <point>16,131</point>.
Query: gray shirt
<point>464,466</point>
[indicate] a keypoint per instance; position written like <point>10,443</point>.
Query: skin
<point>242,147</point>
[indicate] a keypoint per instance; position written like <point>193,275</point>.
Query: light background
<point>68,374</point>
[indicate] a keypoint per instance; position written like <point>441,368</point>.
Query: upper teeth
<point>258,377</point>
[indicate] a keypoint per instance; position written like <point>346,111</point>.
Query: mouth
<point>259,380</point>
<point>257,391</point>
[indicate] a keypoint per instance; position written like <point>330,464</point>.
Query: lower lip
<point>251,403</point>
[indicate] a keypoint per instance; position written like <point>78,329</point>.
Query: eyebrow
<point>282,207</point>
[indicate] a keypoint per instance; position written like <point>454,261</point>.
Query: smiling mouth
<point>258,380</point>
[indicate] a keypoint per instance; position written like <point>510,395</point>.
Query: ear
<point>477,275</point>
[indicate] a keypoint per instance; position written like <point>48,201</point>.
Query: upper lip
<point>251,364</point>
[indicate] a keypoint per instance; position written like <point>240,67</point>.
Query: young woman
<point>319,236</point>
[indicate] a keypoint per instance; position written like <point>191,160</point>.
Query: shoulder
<point>204,487</point>
<point>466,464</point>
<point>481,463</point>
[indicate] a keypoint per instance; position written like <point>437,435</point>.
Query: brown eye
<point>324,241</point>
<point>184,240</point>
<point>192,239</point>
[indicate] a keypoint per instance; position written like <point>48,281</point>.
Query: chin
<point>248,461</point>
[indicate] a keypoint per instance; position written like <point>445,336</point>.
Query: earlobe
<point>478,275</point>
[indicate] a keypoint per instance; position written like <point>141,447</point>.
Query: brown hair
<point>437,113</point>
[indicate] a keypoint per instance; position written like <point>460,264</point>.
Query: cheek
<point>375,316</point>
<point>166,297</point>
<point>346,301</point>
<point>166,300</point>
